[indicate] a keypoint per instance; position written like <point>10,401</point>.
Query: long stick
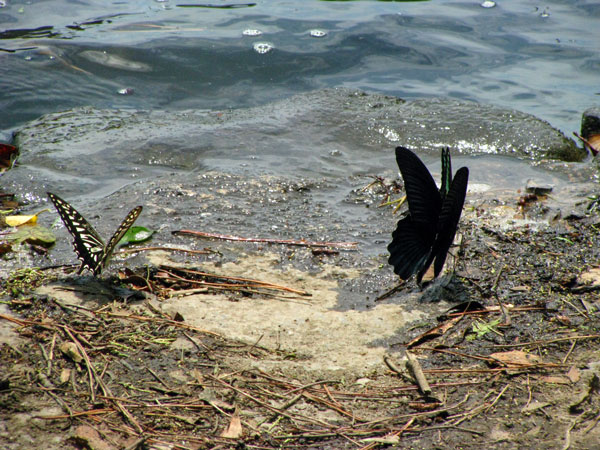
<point>301,242</point>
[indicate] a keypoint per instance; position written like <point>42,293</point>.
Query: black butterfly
<point>88,245</point>
<point>426,233</point>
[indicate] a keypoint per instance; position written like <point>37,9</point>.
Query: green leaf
<point>135,235</point>
<point>35,234</point>
<point>481,328</point>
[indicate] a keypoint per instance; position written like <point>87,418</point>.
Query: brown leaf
<point>434,332</point>
<point>5,247</point>
<point>555,379</point>
<point>234,430</point>
<point>8,155</point>
<point>574,374</point>
<point>534,406</point>
<point>71,350</point>
<point>590,278</point>
<point>65,374</point>
<point>516,358</point>
<point>87,437</point>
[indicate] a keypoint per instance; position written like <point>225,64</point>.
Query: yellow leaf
<point>16,221</point>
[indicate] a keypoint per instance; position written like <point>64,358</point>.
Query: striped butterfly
<point>87,243</point>
<point>427,232</point>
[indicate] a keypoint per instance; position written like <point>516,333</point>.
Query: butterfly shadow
<point>92,292</point>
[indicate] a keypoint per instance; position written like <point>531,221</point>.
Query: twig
<point>550,341</point>
<point>505,314</point>
<point>498,397</point>
<point>392,366</point>
<point>93,376</point>
<point>389,437</point>
<point>417,371</point>
<point>269,407</point>
<point>172,249</point>
<point>20,322</point>
<point>390,292</point>
<point>591,146</point>
<point>569,352</point>
<point>302,242</point>
<point>283,407</point>
<point>251,281</point>
<point>567,444</point>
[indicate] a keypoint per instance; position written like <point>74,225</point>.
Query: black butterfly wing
<point>449,217</point>
<point>118,235</point>
<point>424,201</point>
<point>408,250</point>
<point>415,234</point>
<point>87,243</point>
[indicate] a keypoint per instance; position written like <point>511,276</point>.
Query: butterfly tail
<point>446,172</point>
<point>449,218</point>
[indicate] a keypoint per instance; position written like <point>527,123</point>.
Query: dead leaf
<point>564,320</point>
<point>65,374</point>
<point>5,247</point>
<point>234,430</point>
<point>87,437</point>
<point>520,288</point>
<point>434,332</point>
<point>198,376</point>
<point>8,156</point>
<point>516,358</point>
<point>555,379</point>
<point>18,220</point>
<point>71,350</point>
<point>534,406</point>
<point>390,439</point>
<point>590,278</point>
<point>593,387</point>
<point>574,374</point>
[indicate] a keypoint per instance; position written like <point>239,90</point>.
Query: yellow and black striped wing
<point>87,243</point>
<point>118,235</point>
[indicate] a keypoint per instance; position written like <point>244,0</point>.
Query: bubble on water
<point>318,33</point>
<point>250,32</point>
<point>488,4</point>
<point>125,91</point>
<point>262,47</point>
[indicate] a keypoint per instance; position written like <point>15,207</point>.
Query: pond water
<point>541,58</point>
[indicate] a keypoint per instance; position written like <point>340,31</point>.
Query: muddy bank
<point>306,370</point>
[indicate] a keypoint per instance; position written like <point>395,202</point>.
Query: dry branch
<point>301,242</point>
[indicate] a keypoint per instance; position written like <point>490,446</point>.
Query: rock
<point>590,122</point>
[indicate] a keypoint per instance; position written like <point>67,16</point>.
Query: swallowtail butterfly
<point>426,233</point>
<point>87,243</point>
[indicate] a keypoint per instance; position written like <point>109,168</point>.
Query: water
<point>539,58</point>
